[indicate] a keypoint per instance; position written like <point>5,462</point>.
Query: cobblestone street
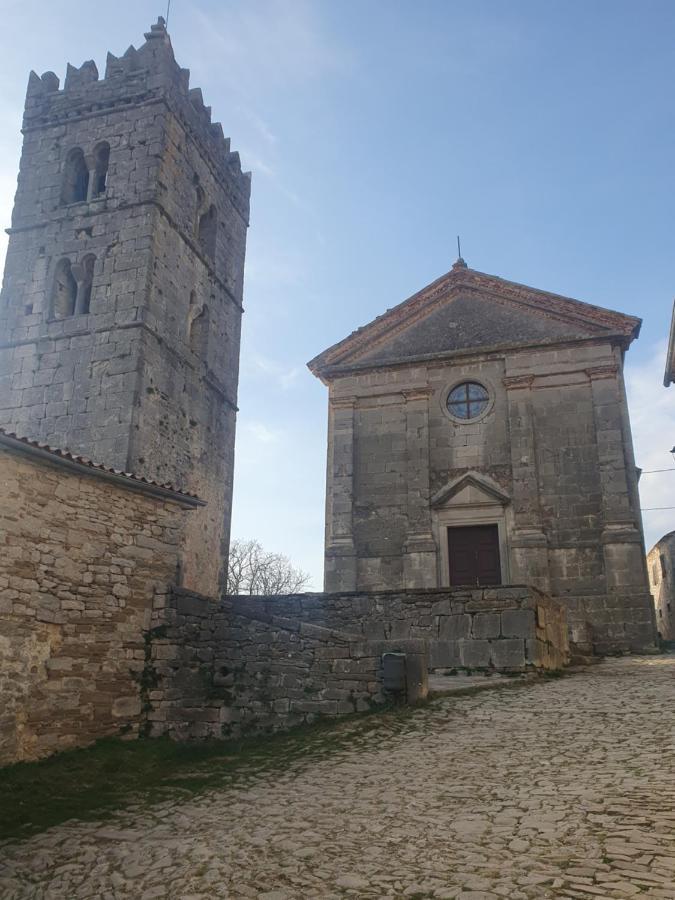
<point>564,788</point>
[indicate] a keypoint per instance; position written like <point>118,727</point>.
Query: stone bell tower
<point>120,310</point>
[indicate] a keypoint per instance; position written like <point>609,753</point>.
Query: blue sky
<point>376,131</point>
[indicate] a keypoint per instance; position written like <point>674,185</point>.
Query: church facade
<point>479,435</point>
<point>120,311</point>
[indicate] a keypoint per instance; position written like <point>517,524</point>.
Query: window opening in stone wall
<point>84,286</point>
<point>199,333</point>
<point>101,162</point>
<point>208,226</point>
<point>468,400</point>
<point>76,178</point>
<point>65,291</point>
<point>200,200</point>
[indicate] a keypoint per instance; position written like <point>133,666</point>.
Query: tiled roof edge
<point>87,467</point>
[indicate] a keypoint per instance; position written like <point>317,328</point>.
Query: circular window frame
<point>484,383</point>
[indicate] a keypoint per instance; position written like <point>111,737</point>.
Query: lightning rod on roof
<point>168,10</point>
<point>459,248</point>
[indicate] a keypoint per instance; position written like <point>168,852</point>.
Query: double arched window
<point>83,178</point>
<point>72,286</point>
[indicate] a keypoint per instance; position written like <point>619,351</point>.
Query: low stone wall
<point>219,671</point>
<point>266,663</point>
<point>84,555</point>
<point>506,628</point>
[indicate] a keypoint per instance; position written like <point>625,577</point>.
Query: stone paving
<point>563,788</point>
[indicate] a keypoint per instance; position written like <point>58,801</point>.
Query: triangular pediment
<point>471,489</point>
<point>467,310</point>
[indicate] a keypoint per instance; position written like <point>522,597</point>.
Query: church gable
<point>469,321</point>
<point>466,309</point>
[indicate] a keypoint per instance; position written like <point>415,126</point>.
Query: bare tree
<point>253,570</point>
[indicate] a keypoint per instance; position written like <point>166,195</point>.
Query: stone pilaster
<point>621,536</point>
<point>527,541</point>
<point>340,560</point>
<point>420,552</point>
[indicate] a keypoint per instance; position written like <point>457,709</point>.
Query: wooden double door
<point>473,554</point>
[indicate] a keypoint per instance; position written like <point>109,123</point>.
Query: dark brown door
<point>474,555</point>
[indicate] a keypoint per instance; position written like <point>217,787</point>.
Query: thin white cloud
<point>260,433</point>
<point>271,269</point>
<point>271,41</point>
<point>652,409</point>
<point>256,365</point>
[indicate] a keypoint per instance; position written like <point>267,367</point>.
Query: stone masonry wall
<point>661,567</point>
<point>82,560</point>
<point>507,628</point>
<point>555,441</point>
<point>145,379</point>
<point>265,663</point>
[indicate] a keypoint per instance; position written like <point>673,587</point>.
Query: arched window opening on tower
<point>64,295</point>
<point>76,178</point>
<point>84,285</point>
<point>199,332</point>
<point>208,228</point>
<point>200,200</point>
<point>101,161</point>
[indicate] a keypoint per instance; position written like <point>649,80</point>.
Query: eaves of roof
<point>84,466</point>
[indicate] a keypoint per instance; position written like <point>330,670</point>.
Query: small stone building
<point>479,435</point>
<point>661,568</point>
<point>120,311</point>
<point>87,555</point>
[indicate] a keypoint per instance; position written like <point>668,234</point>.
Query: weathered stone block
<point>518,623</point>
<point>475,654</point>
<point>454,628</point>
<point>486,625</point>
<point>508,654</point>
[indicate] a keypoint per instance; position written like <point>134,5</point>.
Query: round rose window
<point>468,400</point>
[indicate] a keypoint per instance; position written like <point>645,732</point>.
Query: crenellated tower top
<point>139,75</point>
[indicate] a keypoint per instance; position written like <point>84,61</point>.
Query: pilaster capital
<point>518,382</point>
<point>412,394</point>
<point>608,371</point>
<point>343,402</point>
<point>340,545</point>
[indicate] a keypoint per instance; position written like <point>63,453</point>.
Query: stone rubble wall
<point>219,671</point>
<point>82,561</point>
<point>251,664</point>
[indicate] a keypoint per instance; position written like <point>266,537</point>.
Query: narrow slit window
<point>64,295</point>
<point>76,178</point>
<point>208,227</point>
<point>101,162</point>
<point>199,333</point>
<point>83,300</point>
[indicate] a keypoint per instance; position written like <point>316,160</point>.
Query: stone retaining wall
<point>219,670</point>
<point>266,663</point>
<point>506,628</point>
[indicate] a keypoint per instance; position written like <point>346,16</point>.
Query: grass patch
<point>113,773</point>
